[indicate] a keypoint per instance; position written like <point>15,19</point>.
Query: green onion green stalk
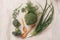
<point>44,23</point>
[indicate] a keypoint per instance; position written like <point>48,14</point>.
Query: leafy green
<point>17,33</point>
<point>30,18</point>
<point>23,9</point>
<point>31,8</point>
<point>16,23</point>
<point>16,12</point>
<point>48,19</point>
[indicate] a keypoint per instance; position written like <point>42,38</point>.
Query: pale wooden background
<point>6,7</point>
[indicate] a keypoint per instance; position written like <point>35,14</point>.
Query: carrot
<point>32,26</point>
<point>24,28</point>
<point>25,34</point>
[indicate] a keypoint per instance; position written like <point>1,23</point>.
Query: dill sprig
<point>16,12</point>
<point>16,23</point>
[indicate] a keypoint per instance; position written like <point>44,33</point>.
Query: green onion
<point>48,19</point>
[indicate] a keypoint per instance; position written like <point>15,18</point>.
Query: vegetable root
<point>25,34</point>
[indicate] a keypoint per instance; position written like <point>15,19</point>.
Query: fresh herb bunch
<point>44,23</point>
<point>23,9</point>
<point>17,32</point>
<point>15,13</point>
<point>31,8</point>
<point>16,23</point>
<point>30,18</point>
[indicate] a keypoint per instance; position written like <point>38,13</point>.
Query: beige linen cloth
<point>6,9</point>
